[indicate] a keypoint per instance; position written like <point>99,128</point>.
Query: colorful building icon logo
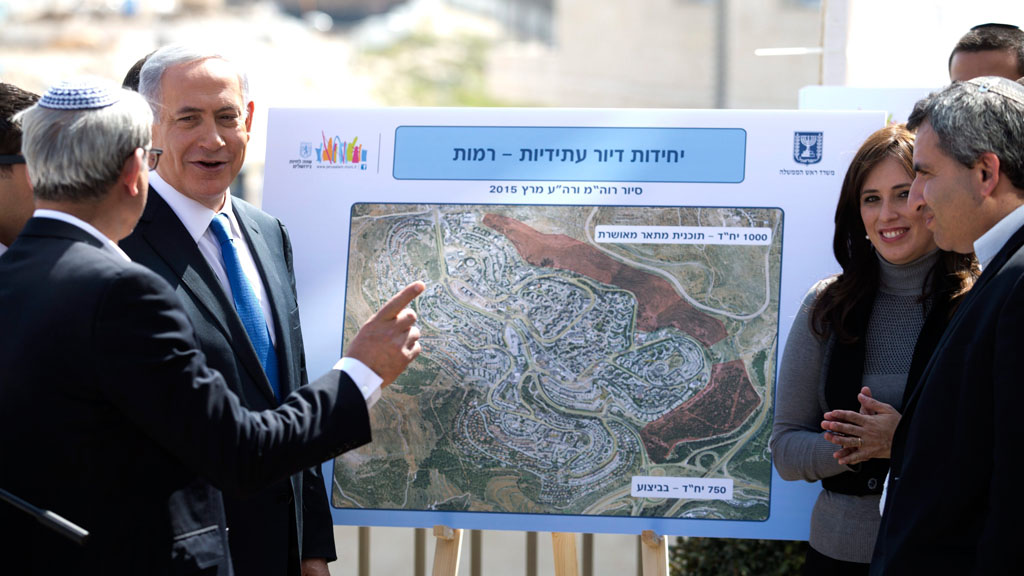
<point>335,151</point>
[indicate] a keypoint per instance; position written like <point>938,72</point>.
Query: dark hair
<point>951,277</point>
<point>987,37</point>
<point>131,79</point>
<point>12,101</point>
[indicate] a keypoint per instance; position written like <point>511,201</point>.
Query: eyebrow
<point>193,109</point>
<point>896,187</point>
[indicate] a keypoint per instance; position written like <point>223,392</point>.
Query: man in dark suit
<point>109,415</point>
<point>953,506</point>
<point>203,116</point>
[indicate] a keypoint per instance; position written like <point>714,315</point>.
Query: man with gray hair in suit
<point>953,505</point>
<point>109,413</point>
<point>231,265</point>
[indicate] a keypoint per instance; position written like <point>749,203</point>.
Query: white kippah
<point>999,85</point>
<point>80,94</point>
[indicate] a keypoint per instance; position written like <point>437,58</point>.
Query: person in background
<point>860,338</point>
<point>988,50</point>
<point>131,78</point>
<point>15,194</point>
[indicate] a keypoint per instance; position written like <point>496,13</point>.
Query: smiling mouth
<point>892,234</point>
<point>209,165</point>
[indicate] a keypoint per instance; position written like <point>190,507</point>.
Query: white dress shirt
<point>197,218</point>
<point>991,242</point>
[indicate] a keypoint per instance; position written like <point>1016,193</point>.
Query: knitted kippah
<point>80,94</point>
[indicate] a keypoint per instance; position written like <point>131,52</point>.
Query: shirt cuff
<point>365,379</point>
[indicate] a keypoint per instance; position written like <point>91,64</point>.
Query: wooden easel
<point>448,551</point>
<point>653,554</point>
<point>564,544</point>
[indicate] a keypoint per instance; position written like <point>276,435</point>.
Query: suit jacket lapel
<point>273,286</point>
<point>963,311</point>
<point>172,242</point>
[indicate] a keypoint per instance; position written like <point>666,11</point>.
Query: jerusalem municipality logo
<point>807,147</point>
<point>330,153</point>
<point>336,153</point>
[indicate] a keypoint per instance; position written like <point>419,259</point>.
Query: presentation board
<point>608,292</point>
<point>897,102</point>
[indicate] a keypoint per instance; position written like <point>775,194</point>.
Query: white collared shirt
<point>991,242</point>
<point>3,248</point>
<point>197,218</point>
<point>108,244</point>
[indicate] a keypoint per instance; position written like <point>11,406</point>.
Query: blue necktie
<point>248,307</point>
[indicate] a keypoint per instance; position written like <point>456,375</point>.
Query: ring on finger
<point>860,442</point>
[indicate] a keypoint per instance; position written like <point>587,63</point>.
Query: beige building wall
<point>661,53</point>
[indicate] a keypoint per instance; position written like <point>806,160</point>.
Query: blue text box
<point>578,154</point>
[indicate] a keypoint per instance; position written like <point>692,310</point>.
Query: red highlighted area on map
<point>720,407</point>
<point>659,305</point>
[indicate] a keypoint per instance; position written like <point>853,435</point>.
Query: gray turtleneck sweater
<point>844,526</point>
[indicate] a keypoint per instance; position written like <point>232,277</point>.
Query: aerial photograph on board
<point>558,363</point>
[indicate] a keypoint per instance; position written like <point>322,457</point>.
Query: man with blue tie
<point>231,264</point>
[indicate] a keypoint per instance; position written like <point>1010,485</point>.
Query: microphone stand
<point>54,522</point>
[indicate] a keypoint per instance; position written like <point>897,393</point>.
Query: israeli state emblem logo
<point>807,147</point>
<point>305,149</point>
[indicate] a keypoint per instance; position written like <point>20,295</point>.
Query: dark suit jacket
<point>953,504</point>
<point>110,417</point>
<point>263,525</point>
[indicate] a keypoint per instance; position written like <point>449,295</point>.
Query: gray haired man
<point>109,414</point>
<point>202,119</point>
<point>953,504</point>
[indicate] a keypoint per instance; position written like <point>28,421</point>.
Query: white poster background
<point>315,205</point>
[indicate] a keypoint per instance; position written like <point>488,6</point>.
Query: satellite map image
<point>558,365</point>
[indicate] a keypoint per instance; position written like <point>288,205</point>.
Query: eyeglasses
<point>7,159</point>
<point>154,157</point>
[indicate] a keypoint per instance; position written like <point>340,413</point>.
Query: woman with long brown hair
<point>856,347</point>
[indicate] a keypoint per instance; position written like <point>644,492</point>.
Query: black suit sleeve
<point>317,524</point>
<point>1002,524</point>
<point>152,371</point>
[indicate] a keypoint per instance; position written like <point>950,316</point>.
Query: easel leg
<point>654,554</point>
<point>447,551</point>
<point>565,554</point>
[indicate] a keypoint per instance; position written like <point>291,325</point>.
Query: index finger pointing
<point>399,301</point>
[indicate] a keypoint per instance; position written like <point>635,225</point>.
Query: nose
<point>888,210</point>
<point>211,139</point>
<point>915,200</point>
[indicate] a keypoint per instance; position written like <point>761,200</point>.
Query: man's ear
<point>988,172</point>
<point>130,171</point>
<point>248,117</point>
